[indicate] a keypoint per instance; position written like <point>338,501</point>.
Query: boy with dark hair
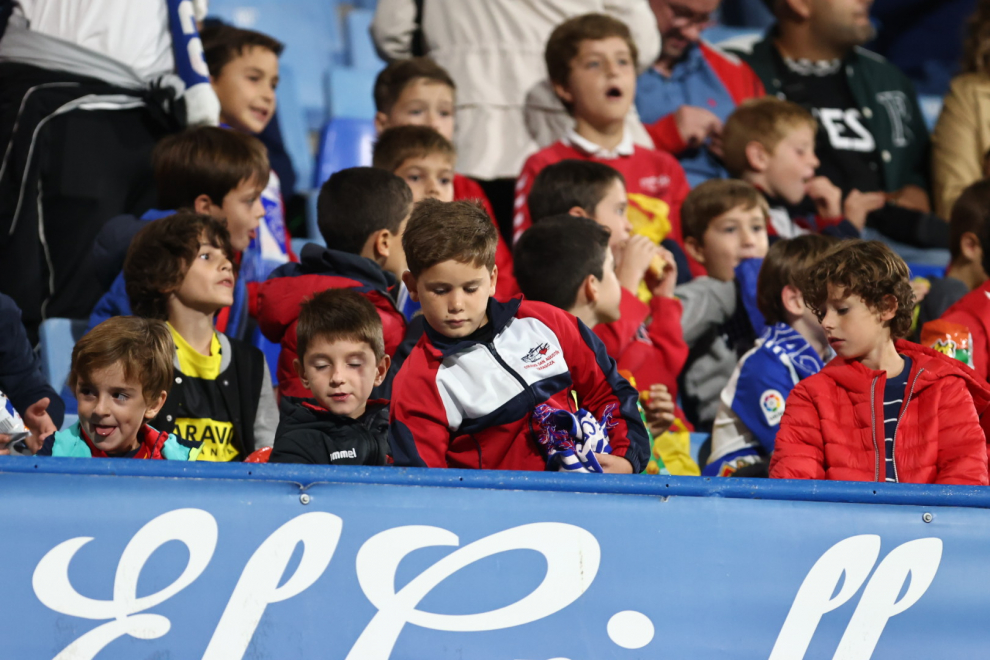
<point>341,360</point>
<point>422,157</point>
<point>121,374</point>
<point>467,394</point>
<point>792,347</point>
<point>179,269</point>
<point>591,62</point>
<point>205,169</point>
<point>362,212</point>
<point>244,74</point>
<point>770,143</point>
<point>724,230</point>
<point>884,409</point>
<point>417,91</point>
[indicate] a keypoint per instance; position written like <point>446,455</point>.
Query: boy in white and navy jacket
<point>465,396</point>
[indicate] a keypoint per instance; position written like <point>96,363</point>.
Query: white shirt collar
<point>624,148</point>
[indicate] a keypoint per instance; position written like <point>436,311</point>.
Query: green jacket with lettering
<point>888,104</point>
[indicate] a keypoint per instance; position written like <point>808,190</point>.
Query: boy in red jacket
<point>466,395</point>
<point>884,409</point>
<point>591,60</point>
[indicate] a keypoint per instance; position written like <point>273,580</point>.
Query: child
<point>179,270</point>
<point>121,373</point>
<point>591,62</point>
<point>421,157</point>
<point>244,74</point>
<point>724,230</point>
<point>884,409</point>
<point>362,214</point>
<point>770,143</point>
<point>467,394</point>
<point>792,347</point>
<point>417,91</point>
<point>341,359</point>
<point>209,170</point>
<point>965,273</point>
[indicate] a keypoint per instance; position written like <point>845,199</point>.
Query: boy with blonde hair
<point>467,394</point>
<point>121,375</point>
<point>591,61</point>
<point>884,409</point>
<point>770,143</point>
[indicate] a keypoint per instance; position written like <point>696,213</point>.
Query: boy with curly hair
<point>884,409</point>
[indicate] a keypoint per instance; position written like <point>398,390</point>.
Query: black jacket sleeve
<point>20,367</point>
<point>297,447</point>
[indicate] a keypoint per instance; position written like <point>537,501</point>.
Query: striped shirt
<point>894,393</point>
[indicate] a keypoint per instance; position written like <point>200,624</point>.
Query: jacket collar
<point>315,258</point>
<point>307,411</point>
<point>499,315</point>
<point>624,148</point>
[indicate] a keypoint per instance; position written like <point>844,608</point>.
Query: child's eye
<point>759,228</point>
<point>623,61</point>
<point>85,391</point>
<point>120,396</point>
<point>446,113</point>
<point>445,180</point>
<point>729,230</point>
<point>413,178</point>
<point>841,311</point>
<point>471,289</point>
<point>439,292</point>
<point>355,365</point>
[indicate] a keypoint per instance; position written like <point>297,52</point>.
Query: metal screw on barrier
<point>927,517</point>
<point>304,498</point>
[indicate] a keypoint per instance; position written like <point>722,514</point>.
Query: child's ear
<point>297,365</point>
<point>381,122</point>
<point>969,245</point>
<point>793,300</point>
<point>494,279</point>
<point>203,205</point>
<point>889,310</point>
<point>578,212</point>
<point>410,282</point>
<point>383,366</point>
<point>693,248</point>
<point>563,93</point>
<point>152,411</point>
<point>383,243</point>
<point>757,157</point>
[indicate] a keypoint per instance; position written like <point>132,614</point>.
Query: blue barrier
<point>270,561</point>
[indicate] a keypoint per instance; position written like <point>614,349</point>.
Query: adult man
<point>871,135</point>
<point>691,88</point>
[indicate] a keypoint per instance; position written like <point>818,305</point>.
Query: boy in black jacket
<point>341,359</point>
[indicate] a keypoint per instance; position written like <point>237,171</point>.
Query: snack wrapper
<point>951,339</point>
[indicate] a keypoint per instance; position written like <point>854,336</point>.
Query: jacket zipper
<point>519,379</point>
<point>893,441</point>
<point>873,428</point>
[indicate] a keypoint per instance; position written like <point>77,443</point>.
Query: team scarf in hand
<point>571,440</point>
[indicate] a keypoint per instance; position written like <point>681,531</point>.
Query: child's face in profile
<point>341,374</point>
<point>246,89</point>
<point>731,237</point>
<point>853,328</point>
<point>611,212</point>
<point>422,102</point>
<point>428,176</point>
<point>242,210</point>
<point>792,165</point>
<point>112,408</point>
<point>208,284</point>
<point>609,292</point>
<point>602,82</point>
<point>453,295</point>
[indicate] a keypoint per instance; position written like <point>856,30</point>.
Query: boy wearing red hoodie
<point>885,409</point>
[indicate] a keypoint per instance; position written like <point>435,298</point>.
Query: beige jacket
<point>493,49</point>
<point>961,139</point>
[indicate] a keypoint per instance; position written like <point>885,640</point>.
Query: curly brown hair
<point>868,269</point>
<point>160,256</point>
<point>976,46</point>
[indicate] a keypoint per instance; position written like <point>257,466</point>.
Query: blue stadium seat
<point>57,337</point>
<point>931,108</point>
<point>357,40</point>
<point>345,142</point>
<point>924,270</point>
<point>351,92</point>
<point>295,131</point>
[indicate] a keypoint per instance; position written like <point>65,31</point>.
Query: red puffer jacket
<point>833,424</point>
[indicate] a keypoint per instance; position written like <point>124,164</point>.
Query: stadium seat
<point>359,47</point>
<point>344,142</point>
<point>351,92</point>
<point>57,337</point>
<point>924,270</point>
<point>931,108</point>
<point>295,130</point>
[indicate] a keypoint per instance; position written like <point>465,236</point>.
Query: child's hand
<point>858,205</point>
<point>4,444</point>
<point>659,408</point>
<point>614,464</point>
<point>663,285</point>
<point>37,421</point>
<point>910,197</point>
<point>636,256</point>
<point>696,125</point>
<point>826,196</point>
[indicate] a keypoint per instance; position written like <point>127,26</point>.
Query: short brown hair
<point>969,214</point>
<point>393,80</point>
<point>713,198</point>
<point>785,265</point>
<point>868,269</point>
<point>398,144</point>
<point>223,43</point>
<point>565,42</point>
<point>336,315</point>
<point>143,347</point>
<point>161,254</point>
<point>206,160</point>
<point>560,187</point>
<point>356,202</point>
<point>766,120</point>
<point>444,231</point>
